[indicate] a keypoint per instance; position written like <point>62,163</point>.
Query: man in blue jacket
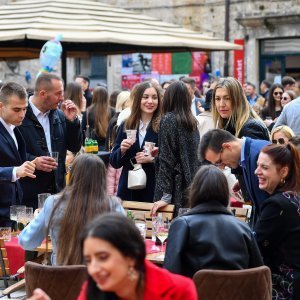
<point>13,164</point>
<point>222,149</point>
<point>46,129</point>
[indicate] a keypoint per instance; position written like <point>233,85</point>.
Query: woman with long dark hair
<point>274,107</point>
<point>178,141</point>
<point>97,117</point>
<point>144,118</point>
<point>64,214</point>
<point>74,92</point>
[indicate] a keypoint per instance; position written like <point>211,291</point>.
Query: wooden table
<point>156,258</point>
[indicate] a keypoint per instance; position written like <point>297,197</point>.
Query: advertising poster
<point>128,81</point>
<point>162,63</point>
<point>239,62</point>
<point>141,63</point>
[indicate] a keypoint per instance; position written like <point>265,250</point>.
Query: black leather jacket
<point>210,237</point>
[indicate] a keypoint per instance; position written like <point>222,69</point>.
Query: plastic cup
<point>131,134</point>
<point>148,147</point>
<point>5,234</point>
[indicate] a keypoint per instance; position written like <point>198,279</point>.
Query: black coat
<point>210,237</point>
<point>65,135</point>
<point>278,233</point>
<point>177,160</point>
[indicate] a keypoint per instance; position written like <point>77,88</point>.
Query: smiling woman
<point>278,229</point>
<point>114,253</point>
<point>141,126</point>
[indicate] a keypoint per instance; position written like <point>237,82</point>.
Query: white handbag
<point>137,177</point>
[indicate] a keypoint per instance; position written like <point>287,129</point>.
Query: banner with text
<point>239,62</point>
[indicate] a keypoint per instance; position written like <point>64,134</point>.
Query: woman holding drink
<point>138,132</point>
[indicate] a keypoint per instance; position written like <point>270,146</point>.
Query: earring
<point>282,181</point>
<point>132,273</point>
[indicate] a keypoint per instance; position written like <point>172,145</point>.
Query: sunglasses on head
<point>284,98</point>
<point>280,141</point>
<point>278,93</point>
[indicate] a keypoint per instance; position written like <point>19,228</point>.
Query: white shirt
<point>10,129</point>
<point>142,132</point>
<point>44,121</point>
<point>193,107</point>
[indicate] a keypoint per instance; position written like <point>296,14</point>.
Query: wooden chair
<point>5,273</point>
<point>145,207</point>
<point>240,213</point>
<point>250,284</point>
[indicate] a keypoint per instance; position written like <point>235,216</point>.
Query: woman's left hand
<point>141,158</point>
<point>156,206</point>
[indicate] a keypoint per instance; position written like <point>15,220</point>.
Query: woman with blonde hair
<point>232,112</point>
<point>97,117</point>
<point>281,135</point>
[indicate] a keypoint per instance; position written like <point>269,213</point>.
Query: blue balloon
<point>50,54</point>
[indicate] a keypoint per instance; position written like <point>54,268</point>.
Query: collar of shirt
<point>9,127</point>
<point>36,111</point>
<point>242,161</point>
<point>143,126</point>
<point>194,99</point>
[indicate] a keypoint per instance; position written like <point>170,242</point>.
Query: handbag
<point>137,177</point>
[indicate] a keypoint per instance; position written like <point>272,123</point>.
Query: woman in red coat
<point>114,252</point>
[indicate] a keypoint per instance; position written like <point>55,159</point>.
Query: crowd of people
<point>196,138</point>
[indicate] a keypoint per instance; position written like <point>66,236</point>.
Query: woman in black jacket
<point>278,228</point>
<point>178,141</point>
<point>209,236</point>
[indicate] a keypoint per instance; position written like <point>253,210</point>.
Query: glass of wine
<point>162,234</point>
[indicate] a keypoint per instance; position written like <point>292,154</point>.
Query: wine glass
<point>162,234</point>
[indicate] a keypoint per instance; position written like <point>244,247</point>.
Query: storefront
<point>278,58</point>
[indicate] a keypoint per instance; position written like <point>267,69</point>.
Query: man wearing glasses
<point>222,149</point>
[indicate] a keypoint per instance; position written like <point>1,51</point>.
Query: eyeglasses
<point>280,141</point>
<point>284,98</point>
<point>278,93</point>
<point>219,162</point>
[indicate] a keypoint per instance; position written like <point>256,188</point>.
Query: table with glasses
<point>153,255</point>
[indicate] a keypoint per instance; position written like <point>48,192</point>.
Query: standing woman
<point>178,141</point>
<point>74,92</point>
<point>278,228</point>
<point>274,107</point>
<point>144,117</point>
<point>97,117</point>
<point>232,111</point>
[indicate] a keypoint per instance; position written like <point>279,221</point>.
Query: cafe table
<point>152,254</point>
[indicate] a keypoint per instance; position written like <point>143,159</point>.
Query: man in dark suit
<point>13,164</point>
<point>197,103</point>
<point>48,129</point>
<point>223,149</point>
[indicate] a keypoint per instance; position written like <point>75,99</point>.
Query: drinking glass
<point>29,214</point>
<point>41,199</point>
<point>5,234</point>
<point>156,222</point>
<point>140,223</point>
<point>21,217</point>
<point>54,155</point>
<point>13,215</point>
<point>162,234</point>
